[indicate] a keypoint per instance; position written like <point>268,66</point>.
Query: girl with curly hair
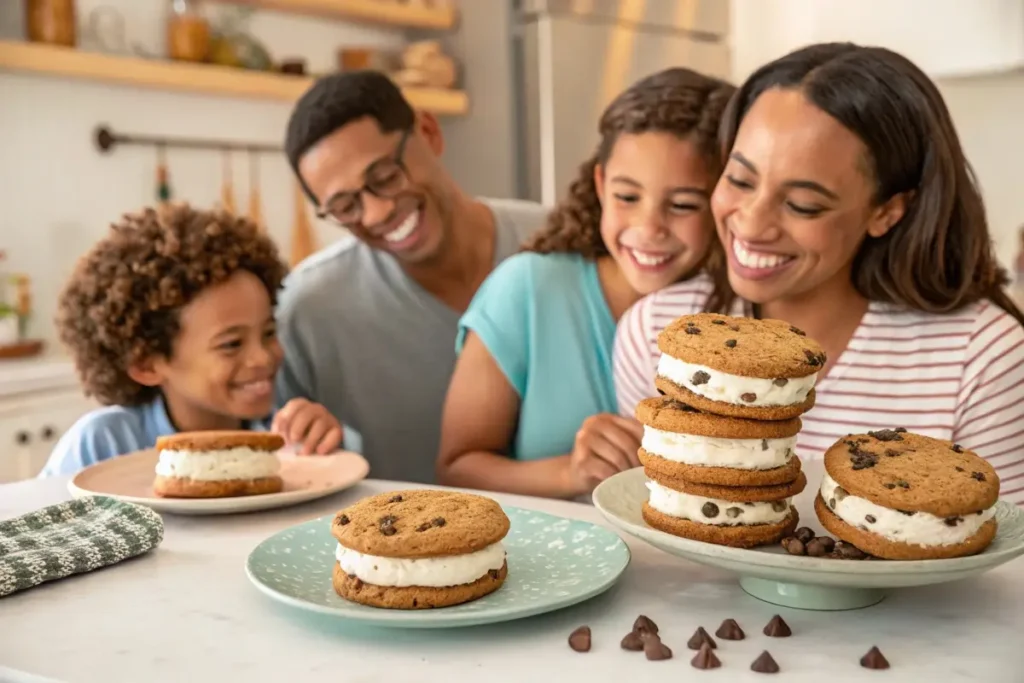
<point>170,320</point>
<point>530,408</point>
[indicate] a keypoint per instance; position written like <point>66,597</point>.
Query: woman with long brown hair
<point>847,208</point>
<point>531,404</point>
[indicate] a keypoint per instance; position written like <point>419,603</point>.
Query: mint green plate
<point>553,562</point>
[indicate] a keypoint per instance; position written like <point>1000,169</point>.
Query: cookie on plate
<point>739,367</point>
<point>903,496</point>
<point>738,516</point>
<point>419,549</point>
<point>681,441</point>
<point>218,464</point>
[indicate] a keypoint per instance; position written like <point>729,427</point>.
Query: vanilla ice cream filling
<point>431,572</point>
<point>221,465</point>
<point>917,528</point>
<point>709,451</point>
<point>714,511</point>
<point>723,387</point>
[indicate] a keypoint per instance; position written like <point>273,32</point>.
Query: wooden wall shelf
<point>386,12</point>
<point>196,78</point>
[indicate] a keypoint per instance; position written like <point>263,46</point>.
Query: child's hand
<point>309,424</point>
<point>605,445</point>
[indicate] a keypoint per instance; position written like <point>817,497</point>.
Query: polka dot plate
<point>553,562</point>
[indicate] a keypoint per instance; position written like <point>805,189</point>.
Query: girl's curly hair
<point>678,101</point>
<point>122,301</point>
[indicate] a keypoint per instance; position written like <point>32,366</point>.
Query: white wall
<point>58,193</point>
<point>988,110</point>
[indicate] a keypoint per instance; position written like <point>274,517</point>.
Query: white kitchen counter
<point>188,612</point>
<point>41,373</point>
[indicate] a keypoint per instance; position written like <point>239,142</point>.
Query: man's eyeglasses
<point>385,178</point>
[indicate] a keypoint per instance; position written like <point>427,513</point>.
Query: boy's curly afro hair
<point>122,301</point>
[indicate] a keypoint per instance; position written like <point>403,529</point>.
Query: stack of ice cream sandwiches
<point>719,444</point>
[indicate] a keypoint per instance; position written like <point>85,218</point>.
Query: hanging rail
<point>106,140</point>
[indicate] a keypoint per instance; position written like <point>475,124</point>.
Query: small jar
<point>188,32</point>
<point>51,21</point>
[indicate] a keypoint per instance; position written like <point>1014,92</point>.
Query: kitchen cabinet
<point>31,424</point>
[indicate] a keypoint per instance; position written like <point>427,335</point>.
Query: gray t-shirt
<point>378,350</point>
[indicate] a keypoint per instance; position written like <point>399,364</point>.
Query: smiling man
<point>368,324</point>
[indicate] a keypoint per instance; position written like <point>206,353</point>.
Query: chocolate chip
<point>862,460</point>
<point>977,476</point>
<point>644,624</point>
<point>343,520</point>
<point>579,640</point>
<point>423,527</point>
<point>797,330</point>
<point>832,503</point>
<point>815,548</point>
<point>957,448</point>
<point>705,659</point>
<point>438,521</point>
<point>692,330</point>
<point>749,505</point>
<point>953,521</point>
<point>730,630</point>
<point>892,453</point>
<point>908,513</point>
<point>655,650</point>
<point>903,484</point>
<point>804,533</point>
<point>661,392</point>
<point>764,664</point>
<point>886,435</point>
<point>780,505</point>
<point>794,546</point>
<point>494,573</point>
<point>781,382</point>
<point>748,397</point>
<point>812,359</point>
<point>733,512</point>
<point>764,444</point>
<point>840,493</point>
<point>388,530</point>
<point>890,486</point>
<point>388,519</point>
<point>700,377</point>
<point>632,642</point>
<point>874,659</point>
<point>960,469</point>
<point>717,322</point>
<point>700,637</point>
<point>848,551</point>
<point>395,499</point>
<point>730,343</point>
<point>777,628</point>
<point>870,519</point>
<point>900,430</point>
<point>709,510</point>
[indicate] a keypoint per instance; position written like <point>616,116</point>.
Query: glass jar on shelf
<point>188,31</point>
<point>51,21</point>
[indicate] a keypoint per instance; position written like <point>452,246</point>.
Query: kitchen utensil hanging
<point>255,208</point>
<point>163,178</point>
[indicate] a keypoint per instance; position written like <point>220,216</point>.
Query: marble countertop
<point>188,612</point>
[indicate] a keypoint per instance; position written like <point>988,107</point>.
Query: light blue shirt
<point>111,431</point>
<point>545,321</point>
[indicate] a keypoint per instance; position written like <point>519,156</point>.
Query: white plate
<point>771,574</point>
<point>130,478</point>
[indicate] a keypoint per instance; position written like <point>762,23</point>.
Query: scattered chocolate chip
<point>343,520</point>
<point>692,330</point>
<point>388,519</point>
<point>903,484</point>
<point>804,533</point>
<point>661,392</point>
<point>870,519</point>
<point>848,551</point>
<point>730,343</point>
<point>960,469</point>
<point>874,659</point>
<point>892,453</point>
<point>700,637</point>
<point>632,642</point>
<point>493,573</point>
<point>957,448</point>
<point>438,521</point>
<point>748,397</point>
<point>826,542</point>
<point>780,505</point>
<point>705,659</point>
<point>579,640</point>
<point>977,476</point>
<point>644,624</point>
<point>953,521</point>
<point>730,630</point>
<point>700,377</point>
<point>395,499</point>
<point>815,548</point>
<point>863,461</point>
<point>764,664</point>
<point>777,628</point>
<point>733,512</point>
<point>832,503</point>
<point>764,444</point>
<point>709,510</point>
<point>387,525</point>
<point>840,493</point>
<point>886,435</point>
<point>423,527</point>
<point>797,330</point>
<point>812,359</point>
<point>781,382</point>
<point>794,546</point>
<point>890,486</point>
<point>717,322</point>
<point>655,650</point>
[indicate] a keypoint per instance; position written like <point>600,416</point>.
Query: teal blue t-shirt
<point>546,323</point>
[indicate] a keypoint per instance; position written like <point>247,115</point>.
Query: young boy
<point>170,320</point>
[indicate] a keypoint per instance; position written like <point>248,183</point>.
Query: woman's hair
<point>939,256</point>
<point>122,302</point>
<point>677,101</point>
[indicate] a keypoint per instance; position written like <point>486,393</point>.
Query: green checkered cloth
<point>72,538</point>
